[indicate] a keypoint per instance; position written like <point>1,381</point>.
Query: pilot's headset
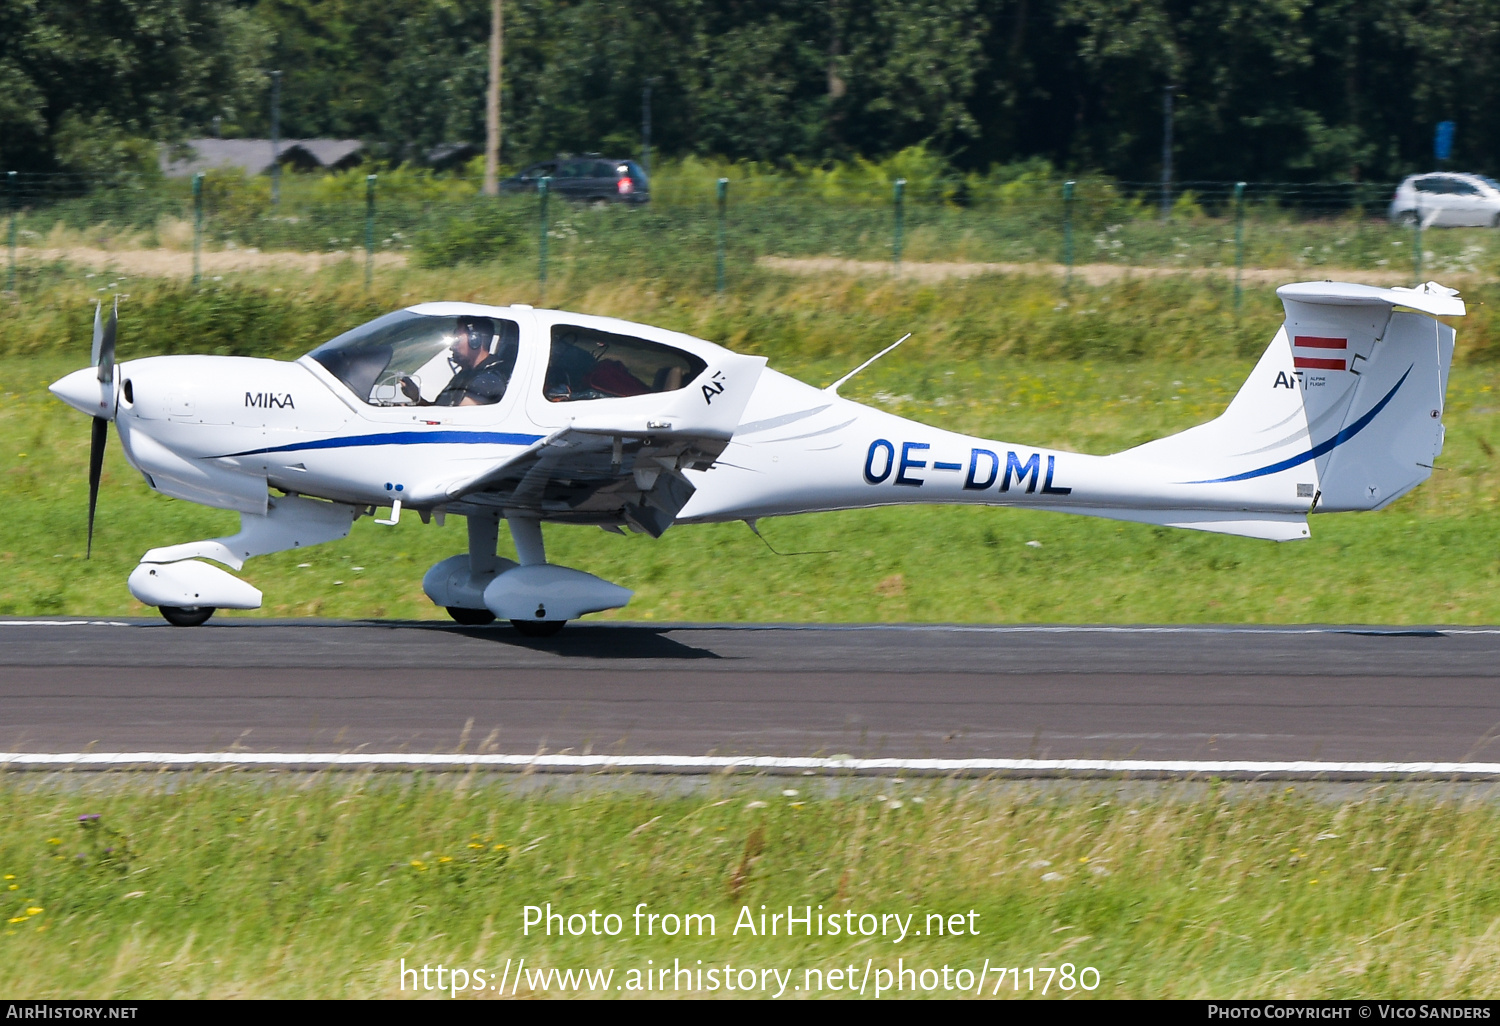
<point>481,332</point>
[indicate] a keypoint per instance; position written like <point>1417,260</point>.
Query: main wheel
<point>538,628</point>
<point>470,617</point>
<point>1407,218</point>
<point>186,616</point>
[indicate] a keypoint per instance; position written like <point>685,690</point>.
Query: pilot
<point>482,375</point>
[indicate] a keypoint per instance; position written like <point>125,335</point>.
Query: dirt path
<point>1089,274</point>
<point>170,263</point>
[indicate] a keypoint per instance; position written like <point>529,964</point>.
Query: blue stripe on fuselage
<point>402,438</point>
<point>1319,449</point>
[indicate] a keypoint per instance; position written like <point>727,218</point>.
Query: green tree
<point>912,72</point>
<point>147,69</point>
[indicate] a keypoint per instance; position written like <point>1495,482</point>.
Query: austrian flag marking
<point>1324,347</point>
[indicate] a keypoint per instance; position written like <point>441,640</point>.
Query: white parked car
<point>1448,200</point>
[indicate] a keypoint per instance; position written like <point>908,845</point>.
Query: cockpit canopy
<point>457,358</point>
<point>412,359</point>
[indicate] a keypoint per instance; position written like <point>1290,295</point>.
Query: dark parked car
<point>586,179</point>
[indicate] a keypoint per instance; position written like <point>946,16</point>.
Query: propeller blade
<point>104,353</point>
<point>96,467</point>
<point>102,357</point>
<point>98,335</point>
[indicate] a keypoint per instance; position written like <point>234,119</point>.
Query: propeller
<point>102,357</point>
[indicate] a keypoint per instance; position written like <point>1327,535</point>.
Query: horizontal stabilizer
<point>1432,298</point>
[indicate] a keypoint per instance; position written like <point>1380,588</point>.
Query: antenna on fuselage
<point>834,388</point>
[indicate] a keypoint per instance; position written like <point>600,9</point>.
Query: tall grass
<point>790,319</point>
<point>247,886</point>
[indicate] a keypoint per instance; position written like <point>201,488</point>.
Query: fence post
<point>1068,234</point>
<point>14,198</point>
<point>197,226</point>
<point>1239,242</point>
<point>1416,246</point>
<point>900,220</point>
<point>719,259</point>
<point>276,139</point>
<point>543,186</point>
<point>369,228</point>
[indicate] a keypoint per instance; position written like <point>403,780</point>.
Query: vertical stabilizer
<point>1345,405</point>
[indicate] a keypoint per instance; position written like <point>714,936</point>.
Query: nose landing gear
<point>187,616</point>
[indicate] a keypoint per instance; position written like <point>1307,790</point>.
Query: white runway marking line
<point>712,763</point>
<point>65,623</point>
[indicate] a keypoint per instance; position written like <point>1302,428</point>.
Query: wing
<point>622,468</point>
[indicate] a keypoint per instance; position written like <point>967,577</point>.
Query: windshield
<point>411,359</point>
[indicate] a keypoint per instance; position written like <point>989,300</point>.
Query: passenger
<point>575,372</point>
<point>568,369</point>
<point>612,377</point>
<point>482,375</point>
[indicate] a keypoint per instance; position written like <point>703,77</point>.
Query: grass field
<point>997,357</point>
<point>247,886</point>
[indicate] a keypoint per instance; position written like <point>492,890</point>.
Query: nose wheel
<point>186,616</point>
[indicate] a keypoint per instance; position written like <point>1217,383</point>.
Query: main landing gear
<point>538,628</point>
<point>537,597</point>
<point>527,628</point>
<point>470,617</point>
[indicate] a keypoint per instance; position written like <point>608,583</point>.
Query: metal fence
<point>719,227</point>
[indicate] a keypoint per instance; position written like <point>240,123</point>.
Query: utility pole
<point>275,138</point>
<point>1166,151</point>
<point>492,105</point>
<point>646,129</point>
<point>646,124</point>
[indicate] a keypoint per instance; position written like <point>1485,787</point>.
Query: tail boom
<point>849,456</point>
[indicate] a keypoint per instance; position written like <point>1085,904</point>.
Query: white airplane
<point>527,415</point>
